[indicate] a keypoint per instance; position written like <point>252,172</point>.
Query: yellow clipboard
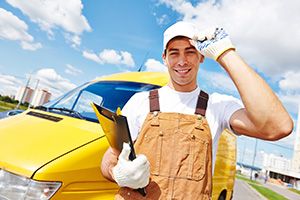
<point>115,127</point>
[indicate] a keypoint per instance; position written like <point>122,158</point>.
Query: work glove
<point>133,174</point>
<point>212,43</point>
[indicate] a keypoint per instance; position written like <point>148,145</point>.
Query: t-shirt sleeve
<point>136,110</point>
<point>225,106</point>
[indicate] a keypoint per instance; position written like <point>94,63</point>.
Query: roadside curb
<point>256,192</point>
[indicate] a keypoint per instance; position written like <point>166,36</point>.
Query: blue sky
<point>66,43</point>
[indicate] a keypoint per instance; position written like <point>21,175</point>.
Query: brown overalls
<point>179,149</point>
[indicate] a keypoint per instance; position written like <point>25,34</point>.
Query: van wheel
<point>222,195</point>
<point>221,198</point>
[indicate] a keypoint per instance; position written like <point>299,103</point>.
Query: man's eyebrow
<point>191,47</point>
<point>173,49</point>
<point>186,49</point>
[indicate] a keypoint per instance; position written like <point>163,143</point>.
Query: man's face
<point>182,60</point>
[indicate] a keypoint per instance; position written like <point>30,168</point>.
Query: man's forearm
<point>263,107</point>
<point>109,160</point>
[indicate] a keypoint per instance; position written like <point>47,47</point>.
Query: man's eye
<point>173,53</point>
<point>191,52</point>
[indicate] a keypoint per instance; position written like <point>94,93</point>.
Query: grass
<point>266,192</point>
<point>9,106</point>
<point>294,190</point>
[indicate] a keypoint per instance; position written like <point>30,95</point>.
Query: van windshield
<point>110,94</point>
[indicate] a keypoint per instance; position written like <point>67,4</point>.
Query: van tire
<point>222,195</point>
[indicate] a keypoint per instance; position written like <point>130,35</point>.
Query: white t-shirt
<point>218,112</point>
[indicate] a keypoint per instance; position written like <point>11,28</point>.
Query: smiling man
<point>176,128</point>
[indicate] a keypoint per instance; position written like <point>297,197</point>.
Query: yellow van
<point>54,151</point>
<point>225,165</point>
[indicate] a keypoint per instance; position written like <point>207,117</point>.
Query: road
<point>243,191</point>
<point>283,191</point>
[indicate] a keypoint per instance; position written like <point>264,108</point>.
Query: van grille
<point>44,116</point>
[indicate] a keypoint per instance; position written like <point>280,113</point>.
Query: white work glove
<point>133,174</point>
<point>212,43</point>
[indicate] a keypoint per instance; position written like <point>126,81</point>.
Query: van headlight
<point>14,187</point>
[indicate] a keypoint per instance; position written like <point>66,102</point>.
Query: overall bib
<point>179,149</point>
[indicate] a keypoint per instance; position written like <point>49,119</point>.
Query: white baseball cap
<point>180,28</point>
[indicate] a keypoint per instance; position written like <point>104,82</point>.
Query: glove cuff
<point>218,48</point>
<point>119,177</point>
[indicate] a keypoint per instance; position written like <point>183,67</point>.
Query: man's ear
<point>201,58</point>
<point>164,58</point>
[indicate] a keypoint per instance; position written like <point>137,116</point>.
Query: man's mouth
<point>182,71</point>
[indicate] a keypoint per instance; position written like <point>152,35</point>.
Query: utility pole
<point>244,152</point>
<point>17,107</point>
<point>254,155</point>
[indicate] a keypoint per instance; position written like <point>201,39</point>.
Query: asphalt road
<point>283,191</point>
<point>243,191</point>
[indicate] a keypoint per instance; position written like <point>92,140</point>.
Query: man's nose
<point>182,60</point>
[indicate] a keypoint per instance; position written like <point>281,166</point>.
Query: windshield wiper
<point>44,108</point>
<point>70,111</point>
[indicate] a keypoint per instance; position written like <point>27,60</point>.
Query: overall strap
<point>154,101</point>
<point>202,103</point>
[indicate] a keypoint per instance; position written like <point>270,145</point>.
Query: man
<point>176,129</point>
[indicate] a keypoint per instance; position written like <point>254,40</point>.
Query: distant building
<point>24,94</point>
<point>40,97</point>
<point>279,167</point>
<point>282,168</point>
<point>277,162</point>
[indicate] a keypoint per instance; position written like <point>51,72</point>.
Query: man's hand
<point>133,174</point>
<point>212,43</point>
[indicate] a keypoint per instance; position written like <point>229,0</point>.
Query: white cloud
<point>52,14</point>
<point>72,70</point>
<point>50,80</point>
<point>110,56</point>
<point>13,28</point>
<point>91,56</point>
<point>290,81</point>
<point>75,40</point>
<point>154,65</point>
<point>9,84</point>
<point>30,46</point>
<point>126,59</point>
<point>162,20</point>
<point>290,90</point>
<point>266,33</point>
<point>220,81</point>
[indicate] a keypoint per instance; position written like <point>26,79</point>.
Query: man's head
<point>180,28</point>
<point>181,57</point>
